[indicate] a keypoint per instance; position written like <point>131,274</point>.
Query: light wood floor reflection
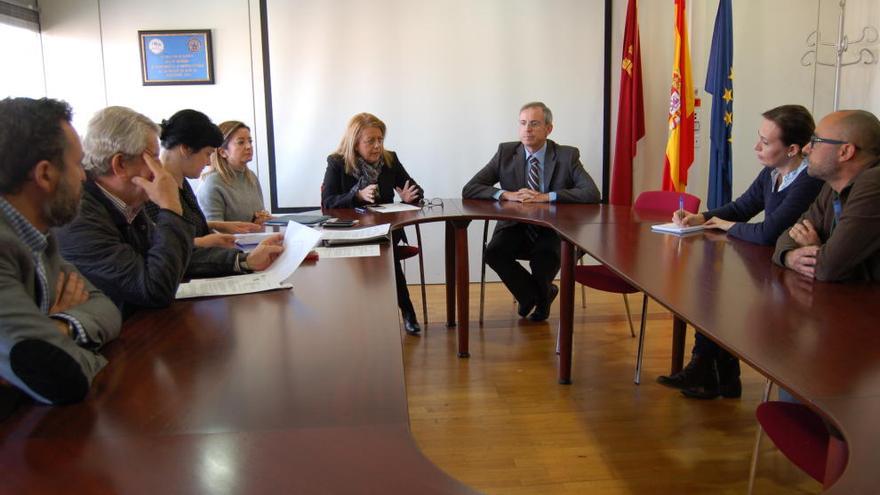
<point>499,422</point>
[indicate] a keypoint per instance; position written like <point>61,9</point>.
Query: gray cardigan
<point>236,202</point>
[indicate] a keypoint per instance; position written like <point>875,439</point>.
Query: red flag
<point>680,145</point>
<point>630,111</point>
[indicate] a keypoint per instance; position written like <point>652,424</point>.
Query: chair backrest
<point>665,202</point>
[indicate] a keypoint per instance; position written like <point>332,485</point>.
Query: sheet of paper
<point>355,235</point>
<point>392,207</point>
<point>671,228</point>
<point>298,241</point>
<point>227,286</point>
<point>354,251</point>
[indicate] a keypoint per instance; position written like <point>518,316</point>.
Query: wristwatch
<point>243,264</point>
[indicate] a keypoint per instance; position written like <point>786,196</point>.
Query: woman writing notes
<point>783,191</point>
<point>362,172</point>
<point>230,191</point>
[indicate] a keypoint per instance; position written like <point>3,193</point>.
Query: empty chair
<point>599,277</point>
<point>803,437</point>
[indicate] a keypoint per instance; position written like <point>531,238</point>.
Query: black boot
<point>698,372</point>
<point>410,322</point>
<point>729,384</point>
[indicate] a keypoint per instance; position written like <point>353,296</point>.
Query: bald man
<point>838,238</point>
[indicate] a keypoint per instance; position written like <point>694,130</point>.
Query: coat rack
<point>862,54</point>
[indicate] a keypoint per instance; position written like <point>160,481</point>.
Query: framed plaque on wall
<point>176,57</point>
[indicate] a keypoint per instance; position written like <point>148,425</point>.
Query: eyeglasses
<point>816,139</point>
<point>430,203</point>
<point>531,124</point>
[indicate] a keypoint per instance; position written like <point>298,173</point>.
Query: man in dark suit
<point>534,170</point>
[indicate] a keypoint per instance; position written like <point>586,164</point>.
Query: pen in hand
<point>678,216</point>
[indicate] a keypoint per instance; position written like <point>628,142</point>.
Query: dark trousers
<point>728,364</point>
<point>403,300</point>
<point>513,243</point>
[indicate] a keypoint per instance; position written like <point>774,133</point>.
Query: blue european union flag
<point>719,83</point>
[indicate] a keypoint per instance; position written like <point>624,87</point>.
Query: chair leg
<point>580,258</point>
<point>422,275</point>
<point>629,317</point>
<point>754,465</point>
<point>483,270</point>
<point>641,351</point>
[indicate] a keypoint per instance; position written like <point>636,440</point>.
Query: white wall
<point>769,41</point>
<point>91,59</point>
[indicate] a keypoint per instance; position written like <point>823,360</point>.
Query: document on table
<point>298,241</point>
<point>354,236</point>
<point>355,251</point>
<point>671,228</point>
<point>392,207</point>
<point>252,238</point>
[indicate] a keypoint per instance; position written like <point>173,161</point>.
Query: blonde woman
<point>362,172</point>
<point>230,191</point>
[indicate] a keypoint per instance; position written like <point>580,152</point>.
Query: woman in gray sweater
<point>230,191</point>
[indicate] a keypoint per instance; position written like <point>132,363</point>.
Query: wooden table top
<point>303,391</point>
<point>818,340</point>
<point>292,391</point>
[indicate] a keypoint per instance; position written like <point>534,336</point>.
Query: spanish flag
<point>680,145</point>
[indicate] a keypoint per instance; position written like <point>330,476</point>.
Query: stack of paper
<point>298,241</point>
<point>354,236</point>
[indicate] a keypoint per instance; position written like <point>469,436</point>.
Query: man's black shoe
<point>542,311</point>
<point>699,372</point>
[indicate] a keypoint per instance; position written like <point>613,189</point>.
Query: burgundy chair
<point>599,277</point>
<point>803,437</point>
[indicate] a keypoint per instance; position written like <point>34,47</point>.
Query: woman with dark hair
<point>363,172</point>
<point>230,191</point>
<point>783,191</point>
<point>188,139</point>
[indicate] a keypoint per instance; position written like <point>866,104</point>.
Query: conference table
<point>302,390</point>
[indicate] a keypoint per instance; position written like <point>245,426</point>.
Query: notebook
<point>671,228</point>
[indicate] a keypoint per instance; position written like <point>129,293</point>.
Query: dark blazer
<point>340,189</point>
<point>136,265</point>
<point>563,174</point>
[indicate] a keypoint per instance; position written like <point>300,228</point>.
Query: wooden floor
<point>500,423</point>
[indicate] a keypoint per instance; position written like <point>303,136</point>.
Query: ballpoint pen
<point>681,202</point>
<point>360,210</point>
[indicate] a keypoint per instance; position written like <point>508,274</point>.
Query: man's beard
<point>64,206</point>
